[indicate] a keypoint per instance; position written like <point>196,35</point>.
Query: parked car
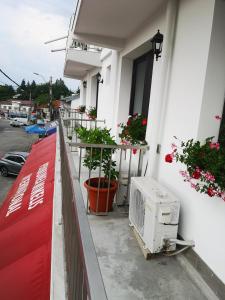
<point>12,162</point>
<point>16,123</point>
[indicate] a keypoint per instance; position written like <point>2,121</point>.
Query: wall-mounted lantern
<point>98,75</point>
<point>157,41</point>
<point>84,84</point>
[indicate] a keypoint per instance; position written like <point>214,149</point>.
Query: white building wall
<point>187,91</point>
<point>75,103</point>
<point>90,91</point>
<point>195,96</point>
<point>107,89</point>
<point>137,45</point>
<point>82,94</point>
<point>187,104</point>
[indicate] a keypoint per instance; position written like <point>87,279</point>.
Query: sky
<point>24,27</point>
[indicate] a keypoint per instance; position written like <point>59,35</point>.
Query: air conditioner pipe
<point>186,244</point>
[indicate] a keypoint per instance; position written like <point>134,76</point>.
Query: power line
<point>9,77</point>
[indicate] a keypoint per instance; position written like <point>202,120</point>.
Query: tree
<point>60,89</point>
<point>36,91</point>
<point>42,99</point>
<point>6,92</point>
<point>22,90</point>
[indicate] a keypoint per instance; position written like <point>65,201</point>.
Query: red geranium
<point>169,158</point>
<point>134,151</point>
<point>134,130</point>
<point>210,192</point>
<point>129,122</point>
<point>196,174</point>
<point>144,122</point>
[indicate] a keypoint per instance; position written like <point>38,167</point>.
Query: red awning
<point>26,227</point>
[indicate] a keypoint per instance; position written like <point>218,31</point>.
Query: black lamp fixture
<point>98,75</point>
<point>157,41</point>
<point>84,84</point>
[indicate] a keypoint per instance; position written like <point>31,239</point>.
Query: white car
<point>16,123</point>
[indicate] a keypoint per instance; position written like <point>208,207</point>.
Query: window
<point>141,84</point>
<point>222,129</point>
<point>19,159</point>
<point>12,158</point>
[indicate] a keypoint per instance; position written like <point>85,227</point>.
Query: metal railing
<point>72,124</point>
<point>73,119</point>
<point>121,158</point>
<point>84,278</point>
<point>83,46</point>
<point>128,159</point>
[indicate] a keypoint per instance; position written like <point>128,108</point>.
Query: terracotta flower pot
<point>92,190</point>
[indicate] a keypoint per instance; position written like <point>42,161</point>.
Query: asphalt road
<point>12,139</point>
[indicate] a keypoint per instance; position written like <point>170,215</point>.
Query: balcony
<point>119,271</point>
<point>108,24</point>
<point>80,59</point>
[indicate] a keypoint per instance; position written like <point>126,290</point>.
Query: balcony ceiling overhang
<point>79,62</point>
<point>110,23</point>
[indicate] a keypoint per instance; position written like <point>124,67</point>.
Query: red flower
<point>135,114</point>
<point>169,158</point>
<point>210,192</point>
<point>214,146</point>
<point>129,122</point>
<point>134,151</point>
<point>196,174</point>
<point>144,122</point>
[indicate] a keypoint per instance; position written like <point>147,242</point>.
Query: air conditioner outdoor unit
<point>154,213</point>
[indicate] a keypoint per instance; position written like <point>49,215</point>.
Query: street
<point>12,139</point>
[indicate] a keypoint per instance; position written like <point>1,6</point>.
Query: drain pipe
<point>168,47</point>
<point>170,242</point>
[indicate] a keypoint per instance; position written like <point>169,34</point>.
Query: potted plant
<point>205,165</point>
<point>81,109</point>
<point>133,132</point>
<point>93,160</point>
<point>92,113</point>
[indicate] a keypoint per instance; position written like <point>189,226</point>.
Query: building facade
<point>180,93</point>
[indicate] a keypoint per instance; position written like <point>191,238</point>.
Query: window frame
<point>149,56</point>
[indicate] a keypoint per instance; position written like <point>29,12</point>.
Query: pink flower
<point>183,173</point>
<point>173,146</point>
<point>214,146</point>
<point>217,117</point>
<point>193,185</point>
<point>169,158</point>
<point>209,176</point>
<point>223,196</point>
